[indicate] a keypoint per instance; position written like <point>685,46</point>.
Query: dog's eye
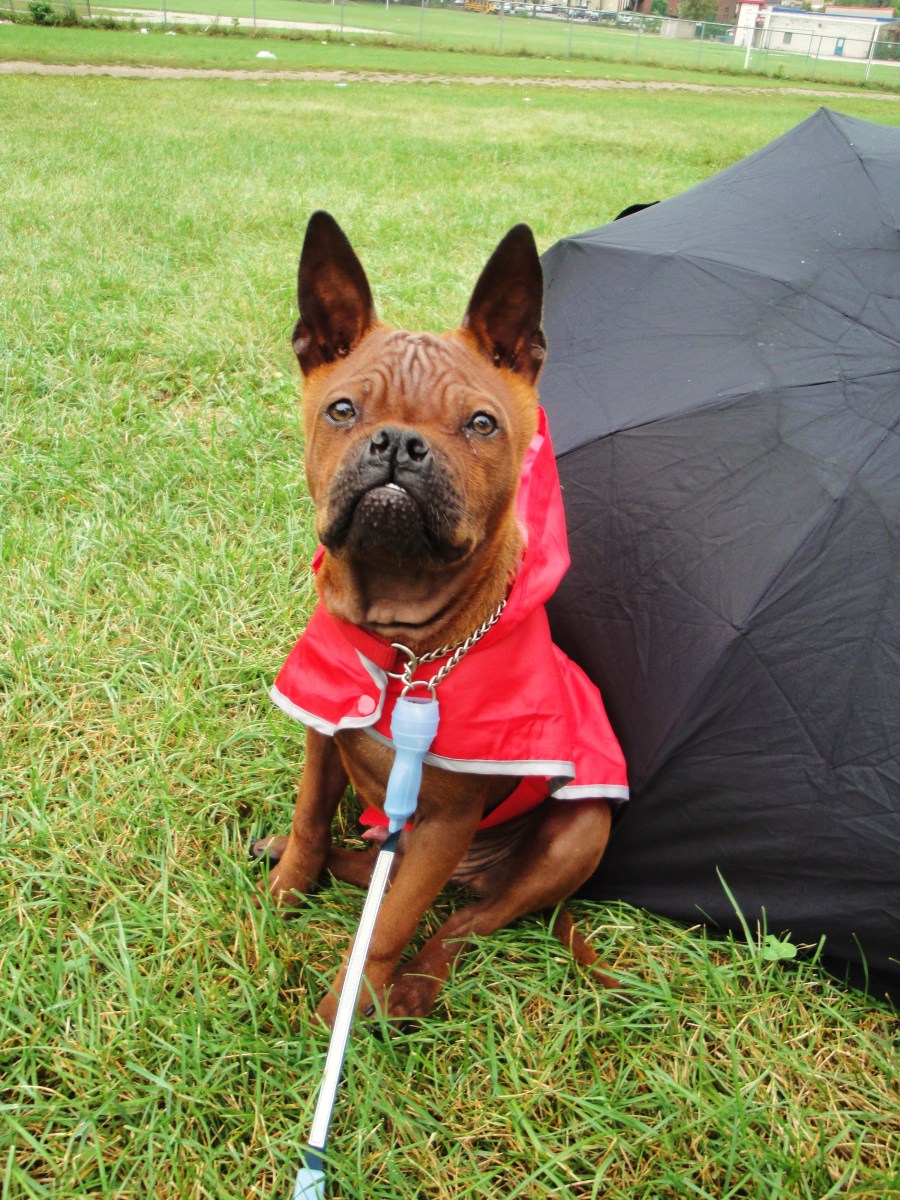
<point>340,412</point>
<point>483,424</point>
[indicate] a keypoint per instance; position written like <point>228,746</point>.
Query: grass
<point>154,1026</point>
<point>393,37</point>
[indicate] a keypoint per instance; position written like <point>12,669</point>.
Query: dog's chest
<point>368,764</point>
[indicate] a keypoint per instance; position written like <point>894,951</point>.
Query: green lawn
<point>155,1035</point>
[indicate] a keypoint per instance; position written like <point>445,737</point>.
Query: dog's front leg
<point>565,848</point>
<point>301,856</point>
<point>433,851</point>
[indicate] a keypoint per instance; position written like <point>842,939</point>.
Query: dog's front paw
<point>326,1010</point>
<point>412,996</point>
<point>297,866</point>
<point>287,887</point>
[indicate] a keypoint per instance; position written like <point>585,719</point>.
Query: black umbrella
<point>723,389</point>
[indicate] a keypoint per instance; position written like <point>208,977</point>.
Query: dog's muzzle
<point>394,500</point>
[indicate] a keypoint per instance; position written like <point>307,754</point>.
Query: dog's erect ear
<point>334,296</point>
<point>504,313</point>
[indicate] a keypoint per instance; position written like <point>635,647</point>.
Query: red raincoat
<point>514,705</point>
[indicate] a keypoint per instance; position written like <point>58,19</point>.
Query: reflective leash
<point>414,724</point>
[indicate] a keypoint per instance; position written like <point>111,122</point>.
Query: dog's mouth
<point>386,513</point>
<point>393,525</point>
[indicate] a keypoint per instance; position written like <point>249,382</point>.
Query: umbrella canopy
<point>723,388</point>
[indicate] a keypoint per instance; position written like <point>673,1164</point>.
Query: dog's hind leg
<point>350,866</point>
<point>564,850</point>
<point>354,866</point>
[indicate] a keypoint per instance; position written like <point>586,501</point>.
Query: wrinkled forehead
<point>424,370</point>
<point>414,361</point>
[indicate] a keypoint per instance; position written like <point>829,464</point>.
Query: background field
<point>708,47</point>
<point>154,1026</point>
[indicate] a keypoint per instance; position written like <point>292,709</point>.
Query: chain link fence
<point>786,48</point>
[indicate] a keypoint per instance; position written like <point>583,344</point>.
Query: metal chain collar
<point>414,661</point>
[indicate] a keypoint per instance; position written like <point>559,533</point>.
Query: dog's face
<point>414,442</point>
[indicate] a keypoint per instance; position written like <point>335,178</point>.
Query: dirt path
<point>128,72</point>
<point>153,15</point>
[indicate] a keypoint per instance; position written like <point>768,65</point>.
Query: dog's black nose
<point>416,449</point>
<point>399,448</point>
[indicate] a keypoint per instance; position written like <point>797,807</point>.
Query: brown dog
<point>416,452</point>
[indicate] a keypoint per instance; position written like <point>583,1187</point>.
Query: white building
<point>837,32</point>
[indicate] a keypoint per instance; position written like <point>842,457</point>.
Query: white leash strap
<point>310,1182</point>
<point>413,727</point>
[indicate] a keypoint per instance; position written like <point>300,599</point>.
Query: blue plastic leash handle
<point>414,723</point>
<point>310,1181</point>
